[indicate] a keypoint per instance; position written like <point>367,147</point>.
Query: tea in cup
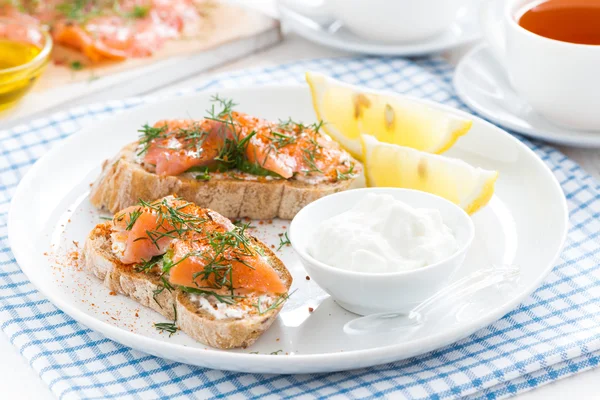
<point>551,52</point>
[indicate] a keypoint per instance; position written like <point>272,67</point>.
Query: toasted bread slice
<point>124,182</point>
<point>194,320</point>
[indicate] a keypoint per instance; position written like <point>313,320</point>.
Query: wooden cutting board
<point>229,33</point>
<point>223,23</point>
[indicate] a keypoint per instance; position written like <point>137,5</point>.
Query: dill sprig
<point>227,247</point>
<point>244,225</point>
<point>133,217</point>
<point>148,135</point>
<point>205,176</point>
<point>170,327</point>
<point>193,137</point>
<point>139,12</point>
<point>233,151</point>
<point>161,288</point>
<point>223,298</point>
<point>226,107</point>
<point>280,300</point>
<point>147,266</point>
<point>171,221</point>
<point>309,157</point>
<point>77,9</point>
<point>83,10</point>
<point>296,126</point>
<point>281,140</point>
<point>343,176</point>
<point>283,241</point>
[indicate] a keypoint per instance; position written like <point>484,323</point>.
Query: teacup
<point>559,79</point>
<point>386,20</point>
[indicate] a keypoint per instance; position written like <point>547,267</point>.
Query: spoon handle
<point>451,294</point>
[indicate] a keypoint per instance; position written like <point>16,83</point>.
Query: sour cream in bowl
<point>381,249</point>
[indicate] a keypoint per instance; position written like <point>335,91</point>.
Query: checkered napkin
<point>553,334</point>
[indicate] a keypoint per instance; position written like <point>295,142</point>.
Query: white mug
<point>385,20</point>
<point>560,80</point>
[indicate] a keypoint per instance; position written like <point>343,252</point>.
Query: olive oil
<point>14,83</point>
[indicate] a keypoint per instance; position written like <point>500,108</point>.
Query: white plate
<point>50,209</point>
<point>482,84</point>
<point>464,30</point>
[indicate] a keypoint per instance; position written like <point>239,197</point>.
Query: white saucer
<point>464,30</point>
<point>483,85</point>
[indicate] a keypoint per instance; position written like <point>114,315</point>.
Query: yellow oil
<point>14,84</point>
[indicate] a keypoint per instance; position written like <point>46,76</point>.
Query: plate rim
<point>257,363</point>
<point>568,137</point>
<point>427,47</point>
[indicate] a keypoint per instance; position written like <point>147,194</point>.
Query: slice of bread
<point>124,182</point>
<point>192,319</point>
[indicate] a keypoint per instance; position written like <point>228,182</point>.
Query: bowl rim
<point>42,55</point>
<point>304,255</point>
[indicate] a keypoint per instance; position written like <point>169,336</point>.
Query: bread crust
<point>123,182</point>
<point>191,319</point>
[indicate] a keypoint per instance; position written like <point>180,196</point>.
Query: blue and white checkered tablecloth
<point>553,334</point>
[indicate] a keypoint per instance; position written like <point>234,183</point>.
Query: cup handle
<point>491,22</point>
<point>321,13</point>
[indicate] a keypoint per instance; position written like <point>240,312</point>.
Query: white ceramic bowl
<point>368,293</point>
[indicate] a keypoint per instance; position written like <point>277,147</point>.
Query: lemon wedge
<point>349,111</point>
<point>390,165</point>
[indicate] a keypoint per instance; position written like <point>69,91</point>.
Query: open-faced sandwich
<point>110,30</point>
<point>219,285</point>
<point>234,163</point>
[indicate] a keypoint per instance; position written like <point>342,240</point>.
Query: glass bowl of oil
<point>24,53</point>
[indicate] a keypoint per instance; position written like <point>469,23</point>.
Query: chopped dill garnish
<point>165,285</point>
<point>223,298</point>
<point>244,225</point>
<point>133,217</point>
<point>226,247</point>
<point>205,176</point>
<point>76,9</point>
<point>194,137</point>
<point>172,221</point>
<point>76,66</point>
<point>292,125</point>
<point>235,177</point>
<point>281,140</point>
<point>308,155</point>
<point>343,176</point>
<point>280,300</point>
<point>233,151</point>
<point>148,134</point>
<point>106,218</point>
<point>146,266</point>
<point>139,12</point>
<point>276,353</point>
<point>170,327</point>
<point>226,105</point>
<point>284,241</point>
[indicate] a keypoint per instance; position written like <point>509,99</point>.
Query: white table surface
<point>19,381</point>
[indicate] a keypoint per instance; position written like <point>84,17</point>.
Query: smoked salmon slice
<point>179,145</point>
<point>111,30</point>
<point>75,37</point>
<point>235,140</point>
<point>235,267</point>
<point>201,248</point>
<point>134,223</point>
